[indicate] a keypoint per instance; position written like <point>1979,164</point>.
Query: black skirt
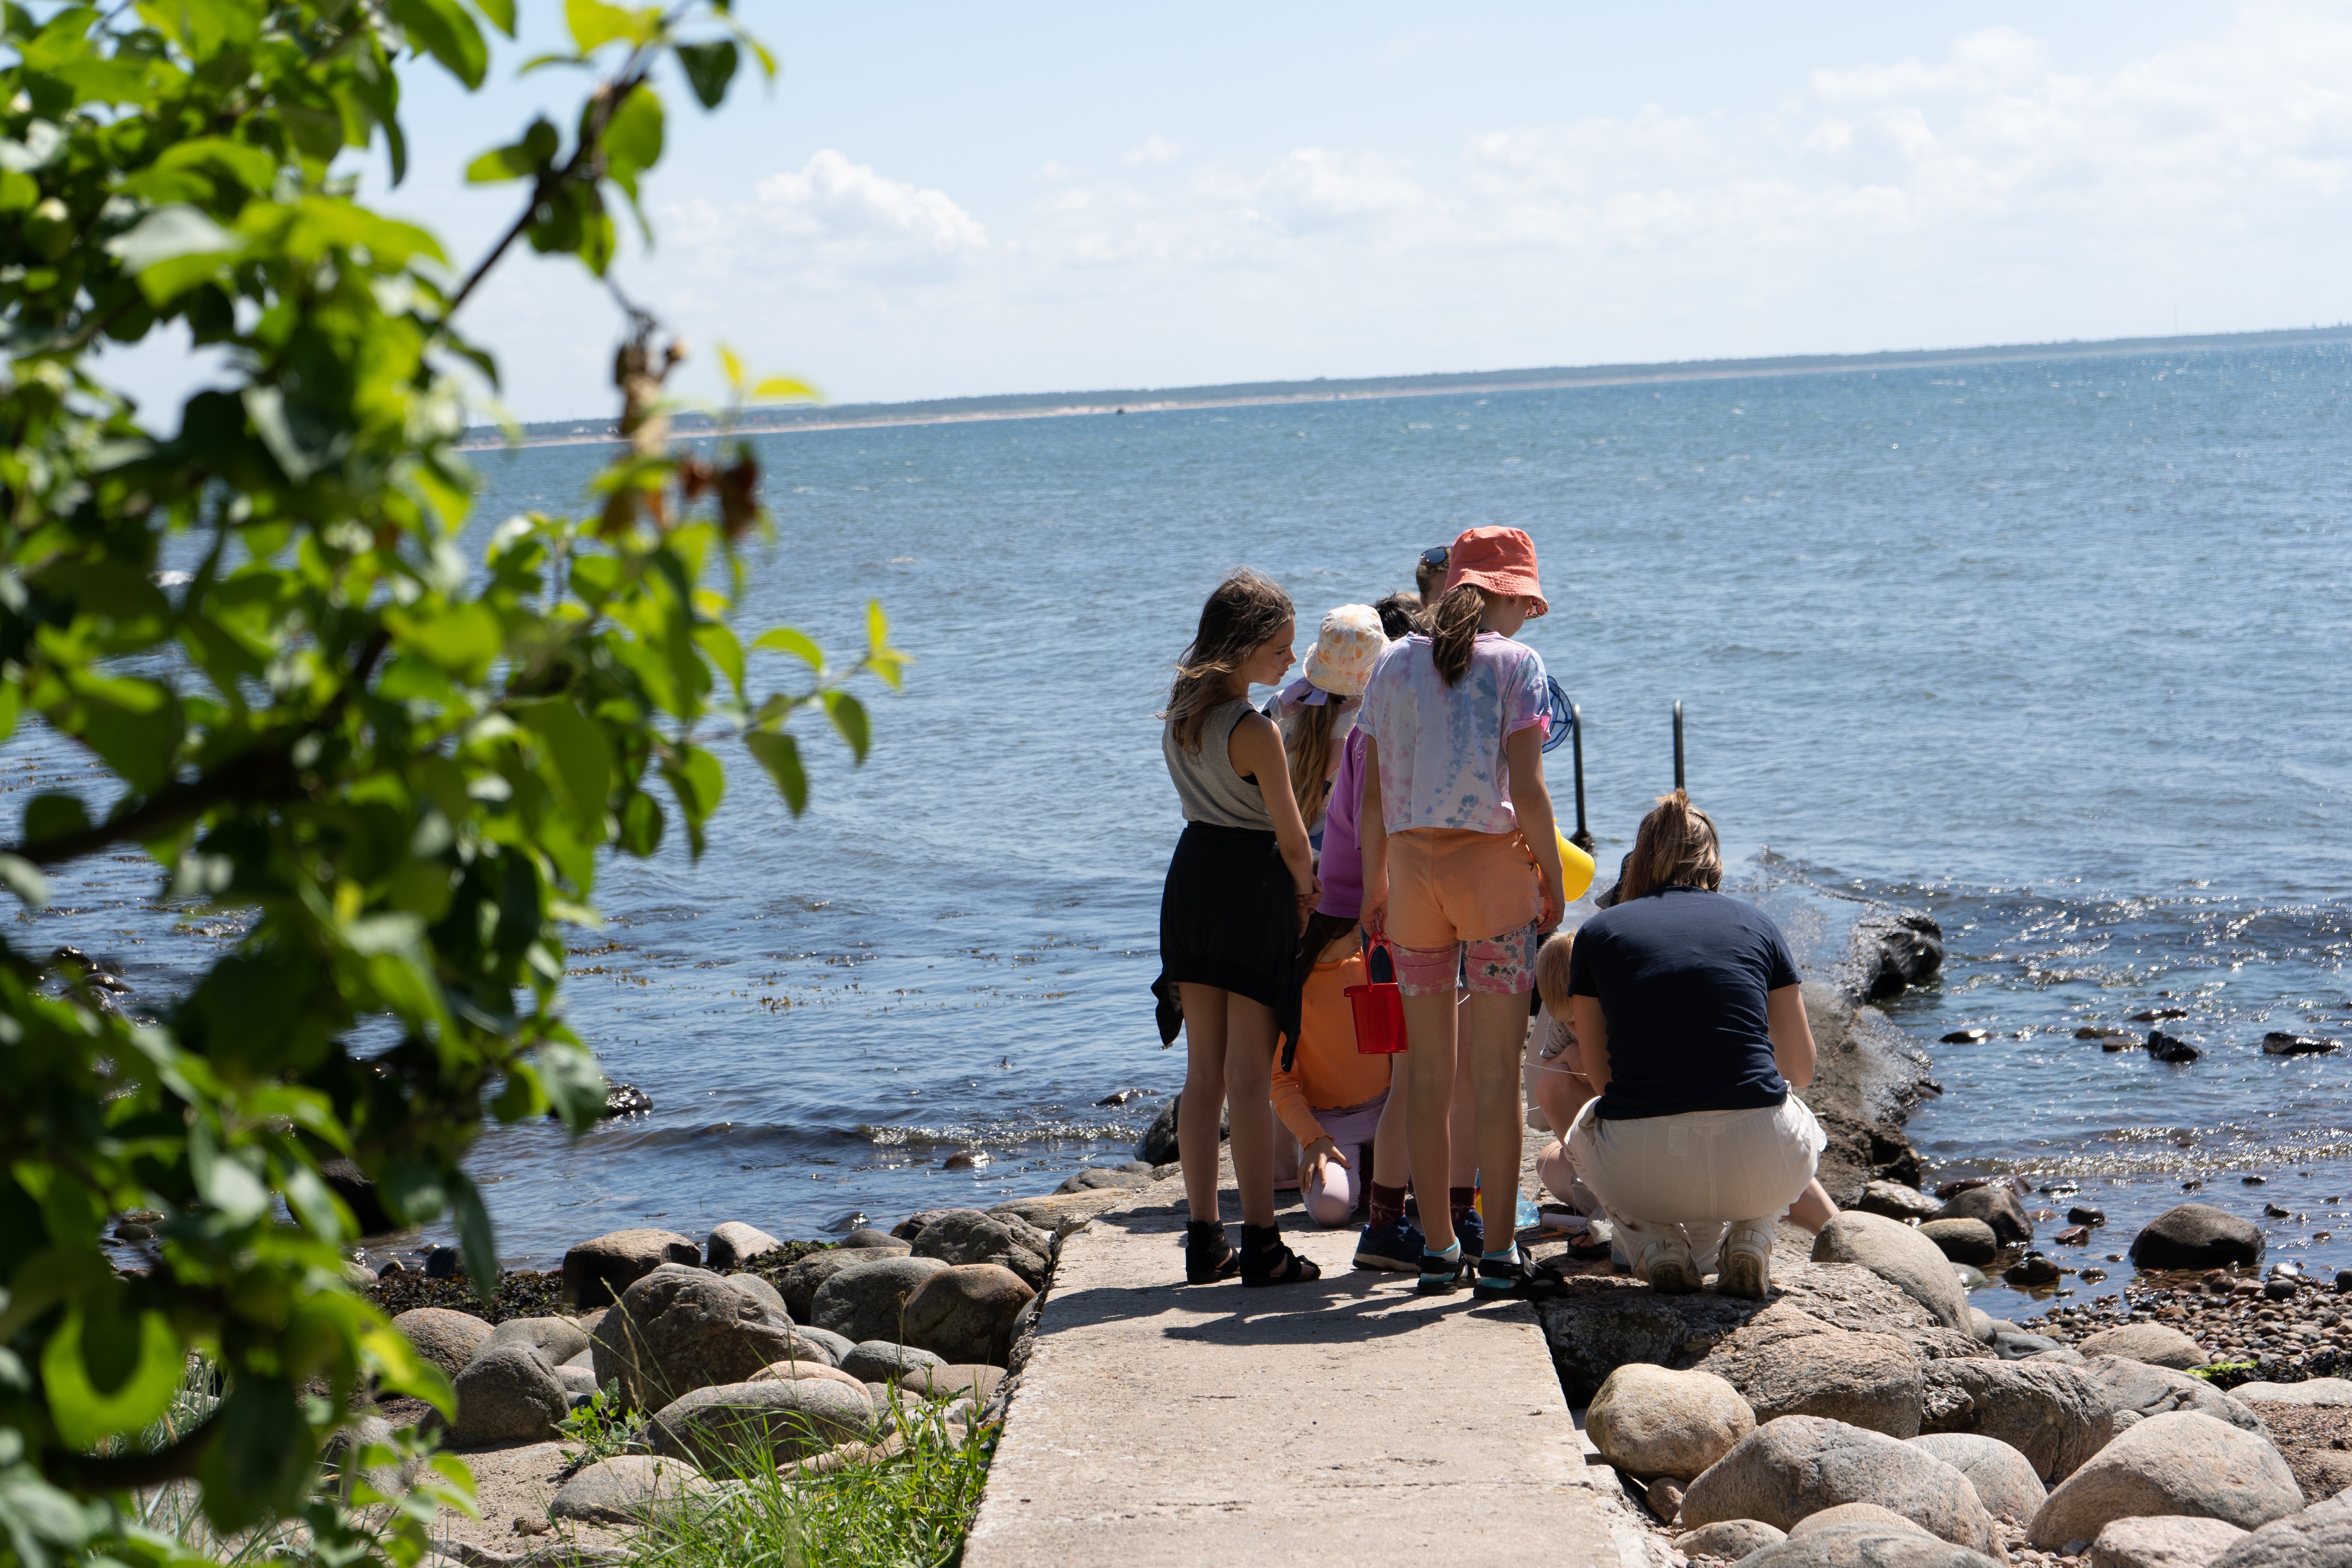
<point>1229,918</point>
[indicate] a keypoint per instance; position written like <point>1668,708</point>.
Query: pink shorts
<point>1502,965</point>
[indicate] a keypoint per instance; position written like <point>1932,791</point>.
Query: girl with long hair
<point>1240,888</point>
<point>1462,871</point>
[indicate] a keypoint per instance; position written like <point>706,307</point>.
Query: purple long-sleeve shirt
<point>1342,866</point>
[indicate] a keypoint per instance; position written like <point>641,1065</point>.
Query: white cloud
<point>832,223</point>
<point>1154,150</point>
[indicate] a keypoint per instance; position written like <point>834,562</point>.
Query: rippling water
<point>2055,649</point>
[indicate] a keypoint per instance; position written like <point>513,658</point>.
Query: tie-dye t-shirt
<point>1441,760</point>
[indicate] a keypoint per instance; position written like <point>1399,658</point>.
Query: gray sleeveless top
<point>1206,783</point>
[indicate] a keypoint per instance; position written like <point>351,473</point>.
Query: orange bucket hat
<point>1499,559</point>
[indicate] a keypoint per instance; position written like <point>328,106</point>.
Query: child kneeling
<point>1328,1101</point>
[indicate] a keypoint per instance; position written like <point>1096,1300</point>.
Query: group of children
<point>1386,813</point>
<point>1390,801</point>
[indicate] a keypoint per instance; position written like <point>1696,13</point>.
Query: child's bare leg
<point>1812,1208</point>
<point>1250,1037</point>
<point>1429,1066</point>
<point>1392,1161</point>
<point>1462,1120</point>
<point>1500,1026</point>
<point>1204,1095</point>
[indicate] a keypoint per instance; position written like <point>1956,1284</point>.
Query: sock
<point>1453,1253</point>
<point>1388,1206</point>
<point>1461,1201</point>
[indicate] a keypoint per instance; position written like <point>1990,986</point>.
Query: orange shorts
<point>1449,885</point>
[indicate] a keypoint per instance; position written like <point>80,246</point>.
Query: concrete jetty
<point>1345,1420</point>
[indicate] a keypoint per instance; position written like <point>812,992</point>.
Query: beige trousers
<point>1696,1173</point>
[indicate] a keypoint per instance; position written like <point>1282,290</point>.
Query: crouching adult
<point>1687,1009</point>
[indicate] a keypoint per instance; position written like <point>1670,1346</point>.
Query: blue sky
<point>941,200</point>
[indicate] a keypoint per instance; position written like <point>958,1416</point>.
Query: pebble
<point>965,1160</point>
<point>1965,1038</point>
<point>2287,1329</point>
<point>2081,1216</point>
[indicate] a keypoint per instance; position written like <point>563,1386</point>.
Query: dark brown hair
<point>1677,847</point>
<point>1453,630</point>
<point>1399,615</point>
<point>1244,612</point>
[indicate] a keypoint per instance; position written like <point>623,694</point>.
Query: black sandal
<point>1265,1261</point>
<point>1207,1258</point>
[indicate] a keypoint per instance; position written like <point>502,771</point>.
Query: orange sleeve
<point>1290,1103</point>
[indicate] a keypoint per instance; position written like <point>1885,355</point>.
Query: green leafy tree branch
<point>403,756</point>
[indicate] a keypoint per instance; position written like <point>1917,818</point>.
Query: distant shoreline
<point>1062,406</point>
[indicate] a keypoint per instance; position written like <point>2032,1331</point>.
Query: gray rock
<point>910,1227</point>
<point>596,1272</point>
<point>1899,1255</point>
<point>954,1381</point>
<point>2137,1391</point>
<point>2178,1462</point>
<point>1095,1179</point>
<point>2065,1355</point>
<point>880,1361</point>
<point>2163,1542</point>
<point>1890,949</point>
<point>1729,1538</point>
<point>448,1339</point>
<point>734,1243</point>
<point>968,1235</point>
<point>1158,1144</point>
<point>2197,1236</point>
<point>509,1393</point>
<point>866,1301</point>
<point>559,1338</point>
<point>794,1371</point>
<point>1980,1324</point>
<point>2057,1416</point>
<point>871,1238</point>
<point>2318,1537</point>
<point>623,1490</point>
<point>2017,1347</point>
<point>1801,1465</point>
<point>578,1381</point>
<point>722,1428</point>
<point>1897,1202</point>
<point>1656,1422</point>
<point>769,1297</point>
<point>966,1313</point>
<point>1863,1380</point>
<point>1852,1513</point>
<point>832,1345</point>
<point>1867,1545</point>
<point>2158,1344</point>
<point>1997,1206</point>
<point>804,1279</point>
<point>2317,1391</point>
<point>1060,1213</point>
<point>1968,1241</point>
<point>680,1329</point>
<point>2003,1476</point>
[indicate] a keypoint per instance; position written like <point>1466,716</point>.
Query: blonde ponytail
<point>1308,740</point>
<point>1677,846</point>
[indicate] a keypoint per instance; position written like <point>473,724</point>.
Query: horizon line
<point>1320,389</point>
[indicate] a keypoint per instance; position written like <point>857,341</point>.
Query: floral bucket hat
<point>1350,644</point>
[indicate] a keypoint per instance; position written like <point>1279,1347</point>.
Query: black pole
<point>1582,838</point>
<point>1678,742</point>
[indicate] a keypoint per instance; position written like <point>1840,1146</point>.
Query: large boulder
<point>595,1272</point>
<point>2179,1462</point>
<point>797,1371</point>
<point>1968,1241</point>
<point>509,1393</point>
<point>1800,1465</point>
<point>968,1235</point>
<point>804,1279</point>
<point>2163,1540</point>
<point>723,1429</point>
<point>2158,1344</point>
<point>1867,1543</point>
<point>2197,1236</point>
<point>880,1361</point>
<point>1095,1179</point>
<point>1891,948</point>
<point>2317,1391</point>
<point>1996,1204</point>
<point>955,1382</point>
<point>965,1313</point>
<point>1897,1201</point>
<point>2004,1478</point>
<point>1656,1422</point>
<point>866,1300</point>
<point>1864,1379</point>
<point>680,1329</point>
<point>1058,1213</point>
<point>558,1339</point>
<point>446,1339</point>
<point>2318,1537</point>
<point>1900,1256</point>
<point>2056,1415</point>
<point>2136,1391</point>
<point>623,1490</point>
<point>1729,1538</point>
<point>733,1244</point>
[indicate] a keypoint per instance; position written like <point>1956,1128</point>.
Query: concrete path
<point>1345,1421</point>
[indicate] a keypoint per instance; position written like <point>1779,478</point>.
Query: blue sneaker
<point>1471,1232</point>
<point>1395,1248</point>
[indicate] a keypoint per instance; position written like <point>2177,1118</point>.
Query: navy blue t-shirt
<point>1681,974</point>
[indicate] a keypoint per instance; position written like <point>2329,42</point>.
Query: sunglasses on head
<point>1436,554</point>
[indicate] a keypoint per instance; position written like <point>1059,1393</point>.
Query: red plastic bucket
<point>1380,1005</point>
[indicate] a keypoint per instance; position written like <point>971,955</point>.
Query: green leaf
<point>476,1240</point>
<point>633,144</point>
<point>848,716</point>
<point>780,755</point>
<point>783,639</point>
<point>401,1370</point>
<point>520,160</point>
<point>500,13</point>
<point>784,389</point>
<point>719,645</point>
<point>412,1191</point>
<point>708,68</point>
<point>641,824</point>
<point>574,1084</point>
<point>24,878</point>
<point>443,30</point>
<point>49,816</point>
<point>583,758</point>
<point>594,24</point>
<point>88,1409</point>
<point>173,249</point>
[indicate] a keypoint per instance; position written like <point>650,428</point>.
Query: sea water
<point>2054,649</point>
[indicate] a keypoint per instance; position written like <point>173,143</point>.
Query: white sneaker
<point>1668,1269</point>
<point>1747,1260</point>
